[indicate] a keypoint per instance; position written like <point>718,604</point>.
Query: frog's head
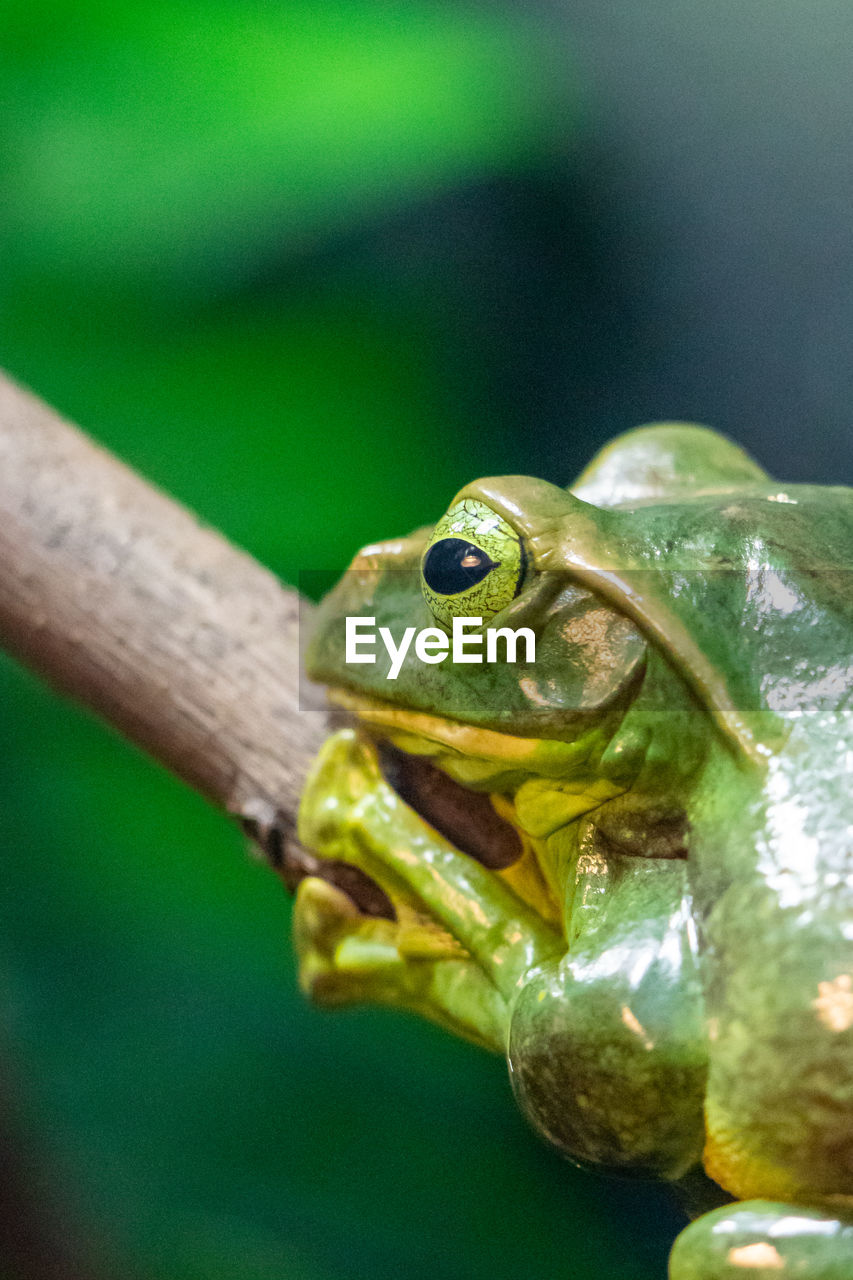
<point>485,566</point>
<point>626,583</point>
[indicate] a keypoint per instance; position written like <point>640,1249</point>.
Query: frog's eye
<point>474,564</point>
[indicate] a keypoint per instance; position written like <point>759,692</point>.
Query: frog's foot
<point>425,925</point>
<point>348,958</point>
<point>764,1240</point>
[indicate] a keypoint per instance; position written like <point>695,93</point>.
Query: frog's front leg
<point>765,1240</point>
<point>461,941</point>
<point>607,1046</point>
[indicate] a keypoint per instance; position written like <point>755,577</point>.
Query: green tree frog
<point>626,862</point>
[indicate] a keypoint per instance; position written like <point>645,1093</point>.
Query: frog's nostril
<point>466,818</point>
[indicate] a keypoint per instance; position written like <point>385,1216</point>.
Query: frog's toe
<point>338,948</point>
<point>348,958</point>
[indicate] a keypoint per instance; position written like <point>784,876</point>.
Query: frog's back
<point>663,462</point>
<point>759,575</point>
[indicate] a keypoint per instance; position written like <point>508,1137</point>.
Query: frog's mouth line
<point>463,817</point>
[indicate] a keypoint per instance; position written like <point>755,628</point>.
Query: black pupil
<point>453,565</point>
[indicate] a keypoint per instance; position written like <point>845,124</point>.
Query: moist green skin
<point>671,972</point>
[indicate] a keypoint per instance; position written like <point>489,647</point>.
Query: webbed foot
<point>347,958</point>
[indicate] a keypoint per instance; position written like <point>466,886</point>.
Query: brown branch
<point>121,598</point>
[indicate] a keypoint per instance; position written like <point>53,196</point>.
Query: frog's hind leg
<point>606,1045</point>
<point>764,1240</point>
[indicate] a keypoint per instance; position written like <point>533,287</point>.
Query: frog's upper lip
<point>455,735</point>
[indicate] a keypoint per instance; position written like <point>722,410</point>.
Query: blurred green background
<point>311,266</point>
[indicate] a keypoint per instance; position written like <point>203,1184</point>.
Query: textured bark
<point>121,598</point>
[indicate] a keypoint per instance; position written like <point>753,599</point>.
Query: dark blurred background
<point>311,266</point>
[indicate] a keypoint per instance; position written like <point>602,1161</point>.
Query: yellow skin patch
<point>740,1172</point>
<point>424,734</point>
